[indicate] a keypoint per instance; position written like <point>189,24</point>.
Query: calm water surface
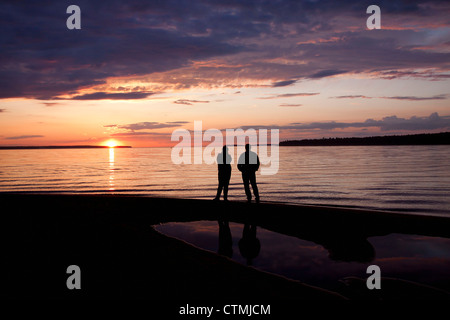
<point>399,178</point>
<point>421,259</point>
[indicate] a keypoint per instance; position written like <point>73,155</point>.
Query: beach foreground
<point>120,255</point>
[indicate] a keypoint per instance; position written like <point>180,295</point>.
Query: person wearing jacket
<point>224,169</point>
<point>248,164</point>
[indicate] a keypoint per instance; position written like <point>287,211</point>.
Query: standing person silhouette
<point>249,245</point>
<point>248,164</point>
<point>224,168</point>
<point>225,239</point>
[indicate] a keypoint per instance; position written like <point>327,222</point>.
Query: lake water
<point>421,259</point>
<point>397,178</point>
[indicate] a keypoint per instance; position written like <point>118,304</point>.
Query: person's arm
<point>241,162</point>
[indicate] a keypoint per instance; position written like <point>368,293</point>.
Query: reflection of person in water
<point>224,167</point>
<point>225,240</point>
<point>248,164</point>
<point>249,245</point>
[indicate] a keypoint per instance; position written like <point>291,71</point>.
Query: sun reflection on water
<point>111,169</point>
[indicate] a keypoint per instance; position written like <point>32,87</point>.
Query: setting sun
<point>111,143</point>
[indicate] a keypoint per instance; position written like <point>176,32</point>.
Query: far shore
<point>442,138</point>
<point>59,147</point>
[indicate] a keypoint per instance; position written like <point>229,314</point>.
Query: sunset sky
<point>137,70</point>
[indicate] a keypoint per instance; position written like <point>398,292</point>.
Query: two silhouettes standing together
<point>248,164</point>
<point>249,244</point>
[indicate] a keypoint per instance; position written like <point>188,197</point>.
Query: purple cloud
<point>24,137</point>
<point>414,98</point>
<point>290,95</point>
<point>326,73</point>
<point>284,83</point>
<point>134,134</point>
<point>143,130</point>
<point>352,97</point>
<point>391,123</point>
<point>258,40</point>
<point>146,125</point>
<point>55,61</point>
<point>113,96</point>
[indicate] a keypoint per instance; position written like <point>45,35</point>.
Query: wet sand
<point>121,256</point>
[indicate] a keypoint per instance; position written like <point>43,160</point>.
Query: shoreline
<point>110,237</point>
<point>59,147</point>
<point>314,206</point>
<point>372,220</point>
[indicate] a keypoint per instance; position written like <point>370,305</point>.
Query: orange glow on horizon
<point>111,143</point>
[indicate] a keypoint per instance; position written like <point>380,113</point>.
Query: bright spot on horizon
<point>111,143</point>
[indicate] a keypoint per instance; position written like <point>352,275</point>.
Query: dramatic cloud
<point>412,98</point>
<point>391,123</point>
<point>113,96</point>
<point>41,58</point>
<point>24,137</point>
<point>189,102</point>
<point>181,44</point>
<point>2,110</point>
<point>289,95</point>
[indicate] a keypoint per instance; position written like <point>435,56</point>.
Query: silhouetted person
<point>249,245</point>
<point>248,164</point>
<point>225,240</point>
<point>224,168</point>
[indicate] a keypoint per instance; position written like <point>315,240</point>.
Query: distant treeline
<point>58,147</point>
<point>412,139</point>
